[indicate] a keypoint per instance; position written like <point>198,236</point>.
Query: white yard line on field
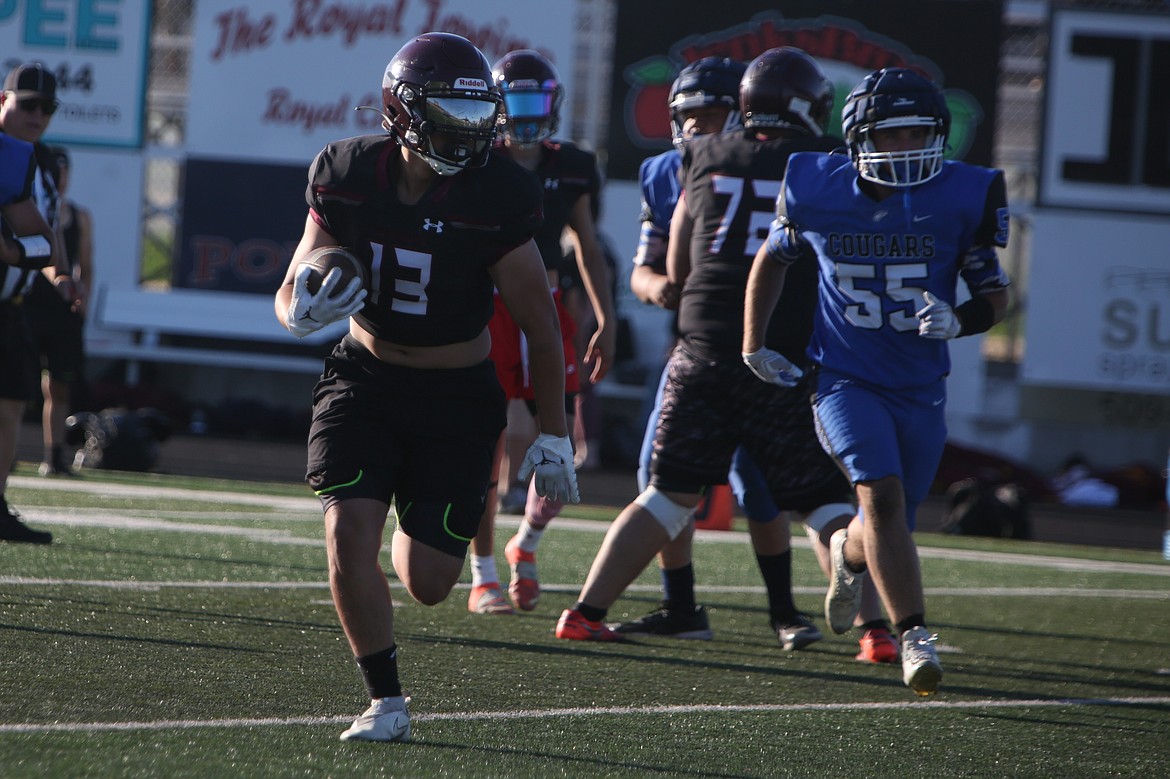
<point>82,517</point>
<point>217,584</point>
<point>601,711</point>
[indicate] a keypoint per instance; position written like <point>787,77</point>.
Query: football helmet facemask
<point>785,88</point>
<point>710,81</point>
<point>440,102</point>
<point>890,98</point>
<point>532,93</point>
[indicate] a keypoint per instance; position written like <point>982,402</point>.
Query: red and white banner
<point>275,82</point>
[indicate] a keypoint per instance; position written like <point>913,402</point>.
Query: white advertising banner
<point>277,81</point>
<point>98,51</point>
<point>1106,141</point>
<point>1098,309</point>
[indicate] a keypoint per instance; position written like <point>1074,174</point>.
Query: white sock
<point>529,536</point>
<point>483,570</point>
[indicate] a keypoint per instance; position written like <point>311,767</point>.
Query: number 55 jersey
<point>878,257</point>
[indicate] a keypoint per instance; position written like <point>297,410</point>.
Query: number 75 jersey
<point>877,258</point>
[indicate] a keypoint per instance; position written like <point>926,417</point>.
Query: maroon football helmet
<point>786,88</point>
<point>440,101</point>
<point>532,95</point>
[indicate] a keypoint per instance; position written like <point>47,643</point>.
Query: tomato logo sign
<point>647,117</point>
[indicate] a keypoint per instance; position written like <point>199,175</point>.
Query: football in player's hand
<point>326,258</point>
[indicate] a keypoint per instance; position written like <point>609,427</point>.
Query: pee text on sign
<point>97,49</point>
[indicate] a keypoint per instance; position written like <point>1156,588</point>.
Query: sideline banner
<point>276,81</point>
<point>1099,302</point>
<point>1106,140</point>
<point>98,51</point>
<point>954,43</point>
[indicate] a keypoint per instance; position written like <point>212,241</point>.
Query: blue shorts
<point>874,432</point>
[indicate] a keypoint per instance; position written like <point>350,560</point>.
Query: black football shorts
<point>422,439</point>
<point>710,407</point>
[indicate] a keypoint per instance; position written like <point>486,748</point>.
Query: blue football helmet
<point>705,82</point>
<point>896,97</point>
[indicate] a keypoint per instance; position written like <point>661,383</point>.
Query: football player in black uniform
<point>532,94</point>
<point>710,406</point>
<point>27,105</point>
<point>58,323</point>
<point>18,217</point>
<point>408,408</point>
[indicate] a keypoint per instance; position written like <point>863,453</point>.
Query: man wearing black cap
<point>27,103</point>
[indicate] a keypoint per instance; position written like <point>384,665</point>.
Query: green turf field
<point>183,628</point>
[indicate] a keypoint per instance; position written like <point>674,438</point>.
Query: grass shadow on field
<point>597,765</point>
<point>153,554</point>
<point>609,652</point>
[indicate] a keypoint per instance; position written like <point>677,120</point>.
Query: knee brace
<point>670,515</point>
<point>819,517</point>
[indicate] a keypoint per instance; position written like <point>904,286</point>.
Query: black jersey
<point>731,182</point>
<point>566,172</point>
<point>428,262</point>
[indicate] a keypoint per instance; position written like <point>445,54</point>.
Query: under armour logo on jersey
<point>552,183</point>
<point>428,225</point>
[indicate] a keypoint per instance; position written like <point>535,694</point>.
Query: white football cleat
<point>921,670</point>
<point>843,600</point>
<point>386,720</point>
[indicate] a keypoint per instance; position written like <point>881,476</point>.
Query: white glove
<point>937,319</point>
<point>308,312</point>
<point>773,367</point>
<point>552,460</point>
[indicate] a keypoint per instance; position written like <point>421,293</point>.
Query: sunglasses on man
<point>47,105</point>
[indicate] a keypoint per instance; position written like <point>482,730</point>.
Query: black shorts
<point>422,439</point>
<point>59,336</point>
<point>18,364</point>
<point>710,407</point>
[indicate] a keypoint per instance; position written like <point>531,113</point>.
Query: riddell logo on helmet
<point>470,83</point>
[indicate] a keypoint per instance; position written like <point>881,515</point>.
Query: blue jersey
<point>877,258</point>
<point>17,174</point>
<point>658,178</point>
<point>16,170</point>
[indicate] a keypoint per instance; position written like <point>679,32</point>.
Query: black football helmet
<point>704,82</point>
<point>785,88</point>
<point>440,101</point>
<point>532,93</point>
<point>896,97</point>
